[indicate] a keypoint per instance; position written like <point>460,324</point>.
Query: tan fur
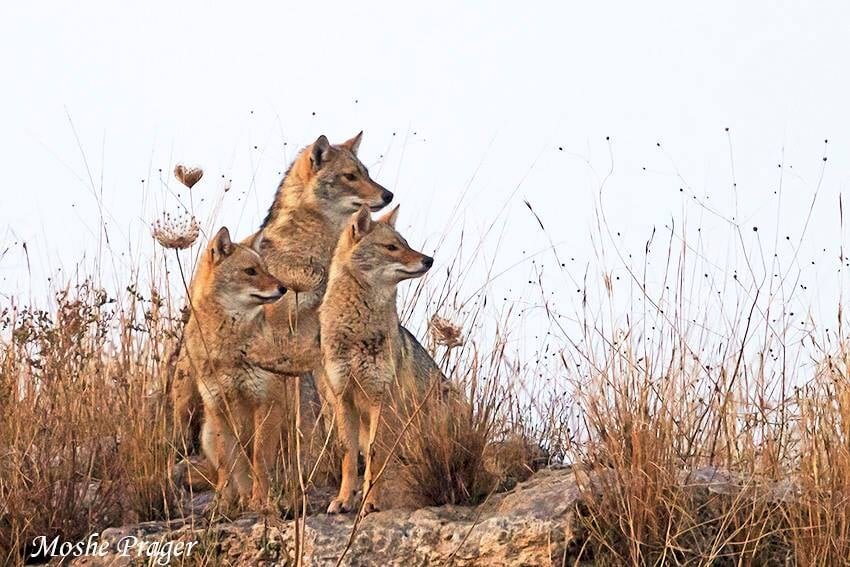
<point>224,343</point>
<point>370,359</point>
<point>312,205</point>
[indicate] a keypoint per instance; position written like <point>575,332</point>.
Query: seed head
<point>176,232</point>
<point>445,332</point>
<point>188,176</point>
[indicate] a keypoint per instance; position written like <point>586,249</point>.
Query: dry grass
<point>83,432</point>
<point>461,446</point>
<point>691,482</point>
<point>710,433</point>
<point>705,435</point>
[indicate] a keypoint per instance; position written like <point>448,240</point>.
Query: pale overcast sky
<point>468,109</point>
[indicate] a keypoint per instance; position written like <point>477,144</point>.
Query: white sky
<point>477,97</point>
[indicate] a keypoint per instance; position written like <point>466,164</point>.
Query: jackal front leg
<point>374,462</point>
<point>347,420</point>
<point>268,419</point>
<point>186,407</point>
<point>224,444</point>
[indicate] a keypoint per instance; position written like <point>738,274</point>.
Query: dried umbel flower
<point>188,176</point>
<point>176,232</point>
<point>445,333</point>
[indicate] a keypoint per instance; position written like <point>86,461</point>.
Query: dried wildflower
<point>176,232</point>
<point>445,333</point>
<point>188,176</point>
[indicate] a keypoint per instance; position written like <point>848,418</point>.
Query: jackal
<point>321,189</point>
<point>224,342</point>
<point>370,359</point>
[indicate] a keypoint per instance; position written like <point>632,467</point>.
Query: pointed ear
<point>257,242</point>
<point>354,143</point>
<point>390,217</point>
<point>320,152</point>
<point>361,223</point>
<point>221,246</point>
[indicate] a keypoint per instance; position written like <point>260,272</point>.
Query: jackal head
<point>377,252</point>
<point>331,178</point>
<point>234,275</point>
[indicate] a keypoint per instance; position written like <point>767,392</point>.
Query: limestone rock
<point>531,525</point>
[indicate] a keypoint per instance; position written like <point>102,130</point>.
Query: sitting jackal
<point>224,344</point>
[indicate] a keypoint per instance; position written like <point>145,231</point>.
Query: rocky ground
<point>531,525</point>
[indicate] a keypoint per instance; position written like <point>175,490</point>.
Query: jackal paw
<point>224,508</point>
<point>370,507</point>
<point>340,505</point>
<point>263,506</point>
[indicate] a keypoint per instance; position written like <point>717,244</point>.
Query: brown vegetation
<point>643,400</point>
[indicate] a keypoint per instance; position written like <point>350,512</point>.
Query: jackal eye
<point>250,271</point>
<point>349,176</point>
<point>391,247</point>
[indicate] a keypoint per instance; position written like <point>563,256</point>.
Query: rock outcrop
<point>531,525</point>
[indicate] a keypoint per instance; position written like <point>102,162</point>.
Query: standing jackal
<point>224,344</point>
<point>370,359</point>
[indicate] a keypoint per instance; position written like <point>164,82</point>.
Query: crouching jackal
<point>370,359</point>
<point>225,342</point>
